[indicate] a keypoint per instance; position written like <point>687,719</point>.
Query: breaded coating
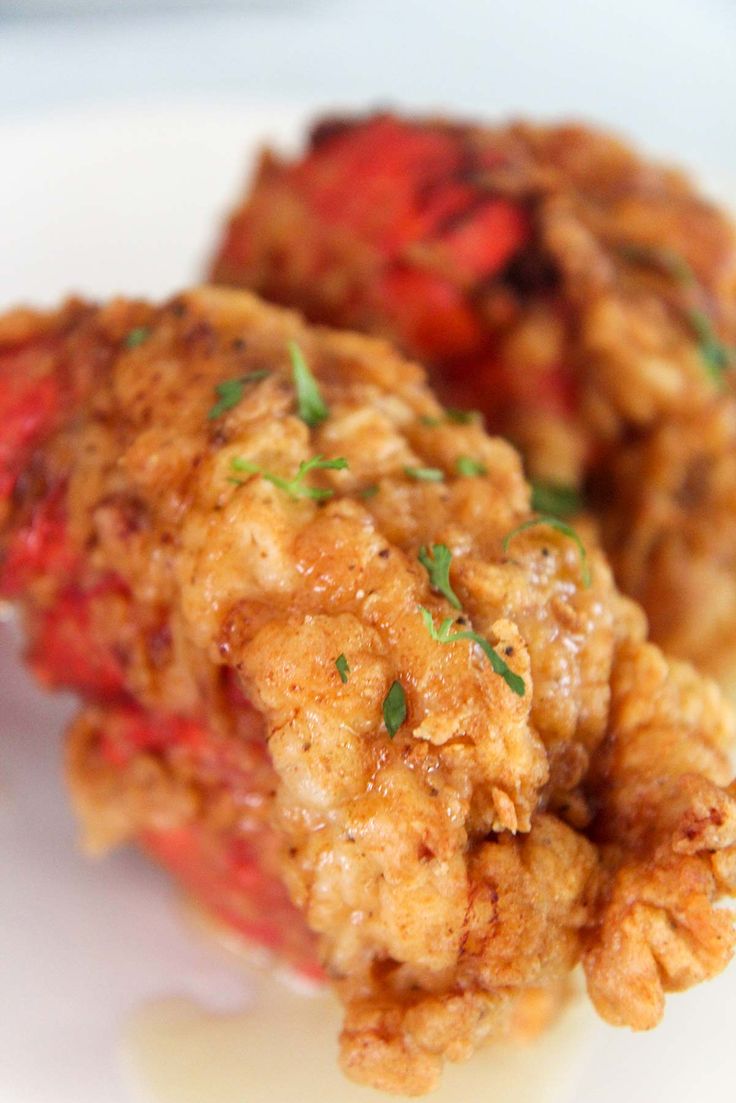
<point>441,790</point>
<point>672,521</point>
<point>580,296</point>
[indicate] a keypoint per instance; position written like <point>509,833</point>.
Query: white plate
<point>128,200</point>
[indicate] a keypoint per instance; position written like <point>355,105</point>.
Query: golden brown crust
<point>446,870</point>
<point>585,347</point>
<point>670,521</point>
<point>663,818</point>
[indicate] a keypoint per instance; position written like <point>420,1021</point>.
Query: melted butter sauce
<point>283,1049</point>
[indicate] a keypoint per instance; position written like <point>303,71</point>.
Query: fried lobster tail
<point>582,298</point>
<point>371,711</point>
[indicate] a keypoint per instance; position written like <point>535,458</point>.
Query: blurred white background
<point>662,70</point>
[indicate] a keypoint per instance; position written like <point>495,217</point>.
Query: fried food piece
<point>583,298</point>
<point>326,682</point>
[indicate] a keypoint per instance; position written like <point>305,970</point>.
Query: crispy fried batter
<point>453,874</point>
<point>672,522</point>
<point>582,297</point>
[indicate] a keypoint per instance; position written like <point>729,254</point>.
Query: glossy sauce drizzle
<point>283,1049</point>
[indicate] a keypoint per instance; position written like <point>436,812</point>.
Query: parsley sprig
<point>425,474</point>
<point>716,356</point>
<point>230,392</point>
<point>394,708</point>
<point>137,337</point>
<point>560,526</point>
<point>343,668</point>
<point>437,566</point>
<point>443,634</point>
<point>452,414</point>
<point>463,417</point>
<point>467,466</point>
<point>311,406</point>
<point>666,260</point>
<point>555,499</point>
<point>296,487</point>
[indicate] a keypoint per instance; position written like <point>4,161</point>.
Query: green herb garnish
<point>137,336</point>
<point>667,260</point>
<point>343,668</point>
<point>394,708</point>
<point>425,474</point>
<point>459,417</point>
<point>716,356</point>
<point>295,487</point>
<point>555,499</point>
<point>466,465</point>
<point>438,568</point>
<point>443,635</point>
<point>463,417</point>
<point>560,526</point>
<point>312,407</point>
<point>369,491</point>
<point>230,392</point>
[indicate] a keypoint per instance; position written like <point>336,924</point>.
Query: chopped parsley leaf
<point>716,356</point>
<point>463,417</point>
<point>230,392</point>
<point>560,526</point>
<point>438,568</point>
<point>137,337</point>
<point>555,499</point>
<point>312,407</point>
<point>667,260</point>
<point>394,708</point>
<point>443,635</point>
<point>295,487</point>
<point>466,465</point>
<point>369,491</point>
<point>343,668</point>
<point>425,474</point>
<point>459,417</point>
